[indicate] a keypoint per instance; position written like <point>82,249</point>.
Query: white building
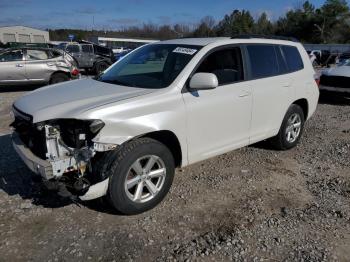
<point>23,34</point>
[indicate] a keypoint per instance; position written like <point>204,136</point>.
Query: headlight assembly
<point>75,133</point>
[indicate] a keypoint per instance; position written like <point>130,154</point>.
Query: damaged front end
<point>62,151</point>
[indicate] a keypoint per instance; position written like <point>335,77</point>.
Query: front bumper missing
<point>34,163</point>
<point>45,170</point>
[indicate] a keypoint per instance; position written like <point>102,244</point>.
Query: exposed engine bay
<point>67,145</point>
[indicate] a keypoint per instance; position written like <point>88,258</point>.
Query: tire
<point>128,167</point>
<point>58,78</point>
<point>100,67</point>
<point>287,136</point>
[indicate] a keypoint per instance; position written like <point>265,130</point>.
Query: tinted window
<point>281,61</point>
<point>293,59</point>
<point>16,55</point>
<point>86,48</point>
<point>225,64</point>
<point>263,61</point>
<point>36,55</point>
<point>55,54</point>
<point>73,49</point>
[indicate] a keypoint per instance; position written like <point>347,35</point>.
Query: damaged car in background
<point>165,105</point>
<point>36,66</point>
<point>336,79</point>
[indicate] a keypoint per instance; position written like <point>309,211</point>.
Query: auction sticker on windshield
<point>186,51</point>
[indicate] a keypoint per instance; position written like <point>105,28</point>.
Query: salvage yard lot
<point>254,203</point>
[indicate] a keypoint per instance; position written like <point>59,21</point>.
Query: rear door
<point>12,70</point>
<point>271,87</point>
<point>39,66</point>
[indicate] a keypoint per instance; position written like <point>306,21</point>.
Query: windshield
<point>151,66</point>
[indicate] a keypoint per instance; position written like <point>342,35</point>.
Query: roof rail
<point>250,36</point>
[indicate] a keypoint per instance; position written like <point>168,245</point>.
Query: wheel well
<point>170,140</point>
<point>101,61</point>
<point>304,105</point>
<point>59,72</point>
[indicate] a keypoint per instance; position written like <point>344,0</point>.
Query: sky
<point>116,14</point>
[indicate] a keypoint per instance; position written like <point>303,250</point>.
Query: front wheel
<point>291,129</point>
<point>141,174</point>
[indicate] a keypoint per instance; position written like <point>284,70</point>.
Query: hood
<point>338,71</point>
<point>69,99</point>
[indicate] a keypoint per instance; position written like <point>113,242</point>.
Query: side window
<point>263,61</point>
<point>54,54</point>
<point>86,48</point>
<point>225,64</point>
<point>37,55</point>
<point>281,61</point>
<point>293,58</point>
<point>15,55</point>
<point>73,49</point>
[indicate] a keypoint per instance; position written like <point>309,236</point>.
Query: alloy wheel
<point>293,128</point>
<point>145,179</point>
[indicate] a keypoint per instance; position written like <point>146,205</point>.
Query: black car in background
<point>89,56</point>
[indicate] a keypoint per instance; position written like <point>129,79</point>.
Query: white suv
<point>164,105</point>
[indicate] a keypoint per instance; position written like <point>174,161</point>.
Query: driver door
<point>218,120</point>
<point>12,67</point>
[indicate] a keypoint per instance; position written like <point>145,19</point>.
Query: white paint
<point>96,191</point>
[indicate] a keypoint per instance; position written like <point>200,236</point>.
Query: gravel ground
<point>253,204</point>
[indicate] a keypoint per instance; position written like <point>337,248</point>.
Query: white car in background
<point>336,79</point>
<point>165,105</point>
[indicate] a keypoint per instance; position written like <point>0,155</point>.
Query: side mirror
<point>203,81</point>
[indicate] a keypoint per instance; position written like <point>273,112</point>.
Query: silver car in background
<point>24,66</point>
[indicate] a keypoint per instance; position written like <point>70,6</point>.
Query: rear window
<point>54,54</point>
<point>37,54</point>
<point>293,58</point>
<point>87,48</point>
<point>73,49</point>
<point>263,61</point>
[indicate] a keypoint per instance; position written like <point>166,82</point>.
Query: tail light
<point>317,79</point>
<point>75,72</point>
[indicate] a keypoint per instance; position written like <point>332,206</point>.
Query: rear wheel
<point>141,174</point>
<point>58,78</point>
<point>291,129</point>
<point>100,67</point>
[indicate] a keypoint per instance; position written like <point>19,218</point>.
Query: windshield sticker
<point>186,51</point>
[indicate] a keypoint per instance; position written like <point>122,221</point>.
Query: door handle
<point>288,83</point>
<point>19,65</point>
<point>244,94</point>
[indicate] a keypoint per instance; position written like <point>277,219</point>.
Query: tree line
<point>330,23</point>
